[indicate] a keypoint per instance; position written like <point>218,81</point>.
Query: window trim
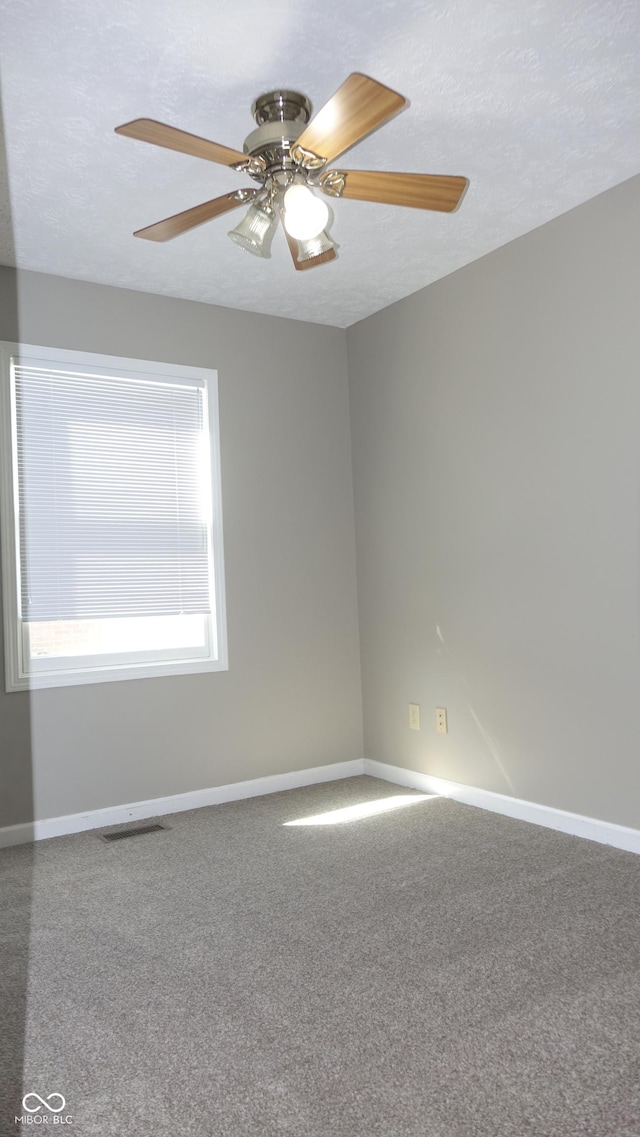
<point>16,678</point>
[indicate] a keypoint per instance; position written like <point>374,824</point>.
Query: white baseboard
<point>177,803</point>
<point>606,832</point>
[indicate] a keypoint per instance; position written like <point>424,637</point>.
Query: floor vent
<point>138,831</point>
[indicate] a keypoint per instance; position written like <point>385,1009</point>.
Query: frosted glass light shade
<point>255,232</point>
<point>314,247</point>
<point>305,215</point>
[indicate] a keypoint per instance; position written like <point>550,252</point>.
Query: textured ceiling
<point>536,102</point>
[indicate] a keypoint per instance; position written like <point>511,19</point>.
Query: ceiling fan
<point>287,155</point>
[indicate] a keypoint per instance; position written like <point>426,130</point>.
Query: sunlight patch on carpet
<point>365,809</point>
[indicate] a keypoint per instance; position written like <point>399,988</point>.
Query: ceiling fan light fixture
<point>305,215</point>
<point>314,247</point>
<point>255,232</point>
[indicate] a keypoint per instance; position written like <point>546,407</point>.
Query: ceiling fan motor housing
<point>281,117</point>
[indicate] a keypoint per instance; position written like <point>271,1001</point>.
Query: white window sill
<point>114,674</point>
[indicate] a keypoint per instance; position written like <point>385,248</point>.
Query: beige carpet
<point>433,971</point>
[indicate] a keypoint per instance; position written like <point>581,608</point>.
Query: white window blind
<point>113,520</point>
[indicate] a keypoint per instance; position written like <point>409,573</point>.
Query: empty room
<point>320,575</point>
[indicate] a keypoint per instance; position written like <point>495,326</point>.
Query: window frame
<point>17,675</point>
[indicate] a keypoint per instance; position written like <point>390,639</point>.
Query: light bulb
<point>305,215</point>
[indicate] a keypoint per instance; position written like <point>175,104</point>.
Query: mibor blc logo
<point>44,1111</point>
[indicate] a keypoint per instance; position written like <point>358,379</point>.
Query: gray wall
<point>495,431</point>
<point>291,698</point>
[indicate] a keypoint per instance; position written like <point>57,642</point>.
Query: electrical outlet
<point>414,716</point>
<point>441,720</point>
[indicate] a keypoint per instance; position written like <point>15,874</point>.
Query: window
<point>111,518</point>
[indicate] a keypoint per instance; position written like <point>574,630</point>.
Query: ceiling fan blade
<point>359,106</point>
<point>182,222</point>
<point>148,130</point>
<point>421,191</point>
